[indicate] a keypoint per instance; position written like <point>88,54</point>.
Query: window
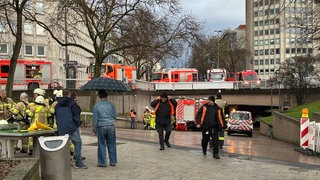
<point>28,50</point>
<point>266,32</point>
<point>271,41</point>
<point>39,7</point>
<point>41,51</point>
<point>3,26</point>
<point>267,72</point>
<point>266,61</point>
<point>271,51</point>
<point>266,42</point>
<point>266,51</point>
<point>261,43</point>
<point>261,52</point>
<point>287,50</point>
<point>261,61</point>
<point>271,61</point>
<point>3,49</point>
<point>39,30</point>
<point>28,28</point>
<point>256,42</point>
<point>261,72</point>
<point>256,52</point>
<point>261,33</point>
<point>256,62</point>
<point>278,61</point>
<point>277,50</point>
<point>277,40</point>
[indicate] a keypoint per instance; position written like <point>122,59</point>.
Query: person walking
<point>133,116</point>
<point>104,115</point>
<point>209,116</point>
<point>164,109</point>
<point>223,105</point>
<point>67,113</point>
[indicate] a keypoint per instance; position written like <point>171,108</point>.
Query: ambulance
<point>240,122</point>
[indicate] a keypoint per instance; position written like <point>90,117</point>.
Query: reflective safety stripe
<point>220,118</point>
<point>204,110</point>
<point>171,108</point>
<point>221,138</point>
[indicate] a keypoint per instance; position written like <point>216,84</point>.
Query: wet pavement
<point>242,157</point>
<point>259,146</point>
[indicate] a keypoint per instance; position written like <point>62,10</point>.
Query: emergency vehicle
<point>115,71</point>
<point>29,74</point>
<point>214,75</point>
<point>240,122</point>
<point>248,79</point>
<point>175,75</point>
<point>186,112</point>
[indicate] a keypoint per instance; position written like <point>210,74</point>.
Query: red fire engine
<point>29,74</point>
<point>175,75</point>
<point>115,71</point>
<point>214,75</point>
<point>186,111</point>
<point>248,79</point>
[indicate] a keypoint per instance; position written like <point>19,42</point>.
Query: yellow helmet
<point>39,91</point>
<point>40,100</point>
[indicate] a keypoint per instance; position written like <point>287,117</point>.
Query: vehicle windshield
<point>216,76</point>
<point>250,77</point>
<point>156,76</point>
<point>240,116</point>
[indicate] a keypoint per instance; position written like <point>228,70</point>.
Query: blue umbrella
<point>107,84</point>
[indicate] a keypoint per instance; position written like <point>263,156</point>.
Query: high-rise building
<point>278,31</point>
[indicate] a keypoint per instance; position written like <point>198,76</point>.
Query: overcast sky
<point>217,14</point>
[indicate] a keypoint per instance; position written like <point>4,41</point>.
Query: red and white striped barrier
<point>304,129</point>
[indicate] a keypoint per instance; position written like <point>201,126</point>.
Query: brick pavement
<point>138,160</point>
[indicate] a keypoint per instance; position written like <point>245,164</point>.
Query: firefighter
<point>223,105</point>
<point>146,118</point>
<point>6,104</point>
<point>164,109</point>
<point>152,120</point>
<point>40,113</point>
<point>21,114</point>
<point>210,118</point>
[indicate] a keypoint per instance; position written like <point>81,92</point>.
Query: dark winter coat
<point>67,114</point>
<point>163,113</point>
<point>211,119</point>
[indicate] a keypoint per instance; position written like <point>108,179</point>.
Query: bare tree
<point>12,14</point>
<point>107,23</point>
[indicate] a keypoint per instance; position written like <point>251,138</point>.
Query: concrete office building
<point>38,45</point>
<point>277,32</point>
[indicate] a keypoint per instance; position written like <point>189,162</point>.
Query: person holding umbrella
<point>104,115</point>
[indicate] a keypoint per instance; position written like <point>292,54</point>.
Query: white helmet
<point>58,93</point>
<point>39,99</point>
<point>147,107</point>
<point>39,91</point>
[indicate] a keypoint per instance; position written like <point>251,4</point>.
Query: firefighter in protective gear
<point>21,114</point>
<point>146,118</point>
<point>6,104</point>
<point>164,109</point>
<point>223,105</point>
<point>210,118</point>
<point>152,121</point>
<point>57,95</point>
<point>40,113</point>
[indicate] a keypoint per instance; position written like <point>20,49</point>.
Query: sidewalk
<point>139,160</point>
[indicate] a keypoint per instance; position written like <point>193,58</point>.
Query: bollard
<point>304,128</point>
<point>55,158</point>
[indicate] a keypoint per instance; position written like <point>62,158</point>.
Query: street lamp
<point>219,31</point>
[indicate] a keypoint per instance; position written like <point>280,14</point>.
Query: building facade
<point>39,45</point>
<point>278,31</point>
